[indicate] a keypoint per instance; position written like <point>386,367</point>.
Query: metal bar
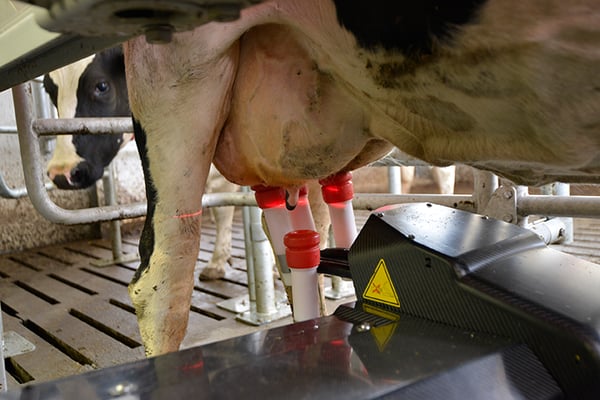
<point>9,193</point>
<point>3,387</point>
<point>559,206</point>
<point>82,126</point>
<point>522,192</point>
<point>263,267</point>
<point>8,130</point>
<point>372,201</point>
<point>110,198</point>
<point>564,189</point>
<point>43,109</point>
<point>249,247</point>
<point>484,185</point>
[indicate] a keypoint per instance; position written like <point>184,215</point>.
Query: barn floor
<point>79,316</point>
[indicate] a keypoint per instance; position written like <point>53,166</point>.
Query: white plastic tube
<point>272,202</point>
<point>338,192</point>
<point>303,257</point>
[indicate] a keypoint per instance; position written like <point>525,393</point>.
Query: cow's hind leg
<point>407,176</point>
<point>223,217</point>
<point>444,178</point>
<point>221,256</point>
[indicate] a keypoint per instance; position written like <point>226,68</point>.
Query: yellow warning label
<point>380,287</point>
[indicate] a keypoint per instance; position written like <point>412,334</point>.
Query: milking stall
<point>491,291</point>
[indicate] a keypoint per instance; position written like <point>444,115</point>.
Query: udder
<point>289,120</point>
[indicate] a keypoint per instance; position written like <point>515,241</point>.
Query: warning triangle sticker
<point>380,287</point>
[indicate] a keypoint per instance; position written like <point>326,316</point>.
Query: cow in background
<point>443,177</point>
<point>96,87</point>
<point>92,87</point>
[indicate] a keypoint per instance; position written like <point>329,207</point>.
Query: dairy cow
<point>96,87</point>
<point>301,89</point>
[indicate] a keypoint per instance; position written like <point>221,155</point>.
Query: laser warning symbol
<point>380,287</point>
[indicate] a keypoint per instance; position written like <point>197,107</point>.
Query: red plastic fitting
<point>269,196</point>
<point>302,248</point>
<point>337,188</point>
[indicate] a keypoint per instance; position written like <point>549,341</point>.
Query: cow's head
<point>92,87</point>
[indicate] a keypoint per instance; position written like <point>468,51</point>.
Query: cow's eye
<point>102,87</point>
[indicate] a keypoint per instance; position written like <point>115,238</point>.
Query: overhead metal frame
<point>54,33</point>
<point>30,51</point>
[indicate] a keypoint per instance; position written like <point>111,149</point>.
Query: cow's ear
<point>51,89</point>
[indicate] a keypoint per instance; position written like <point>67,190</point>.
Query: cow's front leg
<point>162,286</point>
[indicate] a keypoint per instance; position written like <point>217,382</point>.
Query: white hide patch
<point>64,158</point>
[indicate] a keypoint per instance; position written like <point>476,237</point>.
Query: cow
<point>96,87</point>
<point>295,90</point>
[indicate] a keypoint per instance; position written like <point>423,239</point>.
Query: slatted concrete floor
<point>80,317</point>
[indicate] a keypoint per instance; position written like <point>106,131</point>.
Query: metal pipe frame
<point>43,108</point>
<point>81,126</point>
<point>34,175</point>
<point>11,130</point>
<point>372,201</point>
<point>559,206</point>
<point>28,128</point>
<point>9,193</point>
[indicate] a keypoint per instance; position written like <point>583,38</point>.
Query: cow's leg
<point>179,120</point>
<point>221,256</point>
<point>407,176</point>
<point>444,178</point>
<point>223,217</point>
<point>162,286</point>
<point>320,214</point>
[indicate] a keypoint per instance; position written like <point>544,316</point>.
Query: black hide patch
<point>51,89</point>
<point>146,245</point>
<point>409,27</point>
<point>102,89</point>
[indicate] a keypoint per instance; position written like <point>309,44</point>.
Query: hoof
<point>211,274</point>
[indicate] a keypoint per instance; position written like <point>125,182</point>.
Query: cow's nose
<point>62,182</point>
<point>84,175</point>
<point>80,176</point>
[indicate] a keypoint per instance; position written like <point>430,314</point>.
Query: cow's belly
<point>289,121</point>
